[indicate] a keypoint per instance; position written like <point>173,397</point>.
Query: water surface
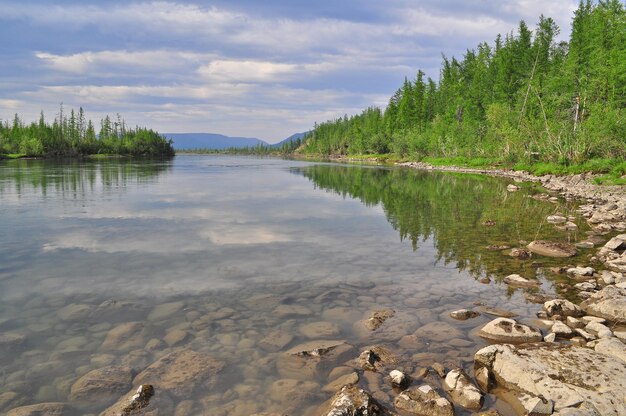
<point>230,249</point>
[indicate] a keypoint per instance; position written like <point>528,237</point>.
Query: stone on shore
<point>611,346</point>
<point>608,303</point>
<point>508,330</point>
<point>566,375</point>
<point>561,307</point>
<point>462,391</point>
<point>423,401</point>
<point>552,248</point>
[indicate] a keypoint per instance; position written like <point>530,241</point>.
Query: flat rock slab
<point>180,372</point>
<point>508,330</point>
<point>552,248</point>
<point>566,375</point>
<point>609,303</point>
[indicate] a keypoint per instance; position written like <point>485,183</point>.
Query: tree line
<point>525,97</point>
<point>71,135</point>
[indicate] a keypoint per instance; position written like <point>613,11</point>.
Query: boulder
<point>561,307</point>
<point>423,401</point>
<point>611,346</point>
<point>103,385</point>
<point>616,243</point>
<point>462,391</point>
<point>508,330</point>
<point>608,303</point>
<point>563,374</point>
<point>552,248</point>
<point>561,330</point>
<point>180,372</point>
<point>351,401</point>
<point>399,379</point>
<point>275,341</point>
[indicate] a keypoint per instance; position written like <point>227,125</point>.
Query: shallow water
<point>223,251</point>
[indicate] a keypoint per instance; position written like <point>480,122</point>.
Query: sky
<point>251,68</point>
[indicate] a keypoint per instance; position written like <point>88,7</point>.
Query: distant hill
<point>290,139</point>
<point>189,141</point>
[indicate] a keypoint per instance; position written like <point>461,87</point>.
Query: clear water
<point>230,249</point>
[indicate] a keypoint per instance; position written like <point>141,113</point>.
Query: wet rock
<point>339,382</point>
<point>74,312</point>
<point>322,329</point>
<point>180,372</point>
<point>283,311</point>
<point>377,358</point>
<point>438,332</point>
<point>520,253</point>
<point>508,330</point>
<point>561,307</point>
<point>464,314</point>
<point>10,399</point>
<point>275,341</point>
<point>175,337</point>
<point>306,360</point>
<point>399,379</point>
<point>124,336</point>
<point>10,341</point>
<point>292,394</point>
<point>552,248</point>
<point>608,303</point>
<point>519,281</point>
<point>139,402</point>
<point>352,401</point>
<point>103,385</point>
<point>611,346</point>
<point>165,311</point>
<point>423,401</point>
<point>565,375</point>
<point>42,409</point>
<point>377,318</point>
<point>462,391</point>
<point>503,313</point>
<point>440,369</point>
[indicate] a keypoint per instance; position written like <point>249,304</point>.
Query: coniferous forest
<point>524,98</point>
<point>71,135</point>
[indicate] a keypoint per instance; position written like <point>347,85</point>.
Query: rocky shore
<point>405,356</point>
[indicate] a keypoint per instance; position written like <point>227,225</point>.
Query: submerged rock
<point>508,330</point>
<point>103,385</point>
<point>552,248</point>
<point>399,379</point>
<point>519,281</point>
<point>464,314</point>
<point>565,375</point>
<point>423,401</point>
<point>41,409</point>
<point>377,318</point>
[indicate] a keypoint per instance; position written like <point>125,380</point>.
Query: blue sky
<point>263,69</point>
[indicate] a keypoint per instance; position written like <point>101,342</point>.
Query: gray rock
<point>585,286</point>
<point>512,188</point>
<point>508,330</point>
<point>616,243</point>
<point>574,323</point>
<point>551,337</point>
<point>352,401</point>
<point>464,314</point>
<point>399,379</point>
<point>611,346</point>
<point>561,330</point>
<point>519,281</point>
<point>556,219</point>
<point>552,248</point>
<point>462,391</point>
<point>608,303</point>
<point>536,406</point>
<point>559,373</point>
<point>423,401</point>
<point>598,329</point>
<point>561,307</point>
<point>585,335</point>
<point>581,271</point>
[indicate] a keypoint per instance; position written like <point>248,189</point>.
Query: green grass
<point>461,161</point>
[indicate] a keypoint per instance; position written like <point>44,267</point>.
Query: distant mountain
<point>190,141</point>
<point>290,139</point>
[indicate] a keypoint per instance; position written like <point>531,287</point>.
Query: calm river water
<point>120,262</point>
